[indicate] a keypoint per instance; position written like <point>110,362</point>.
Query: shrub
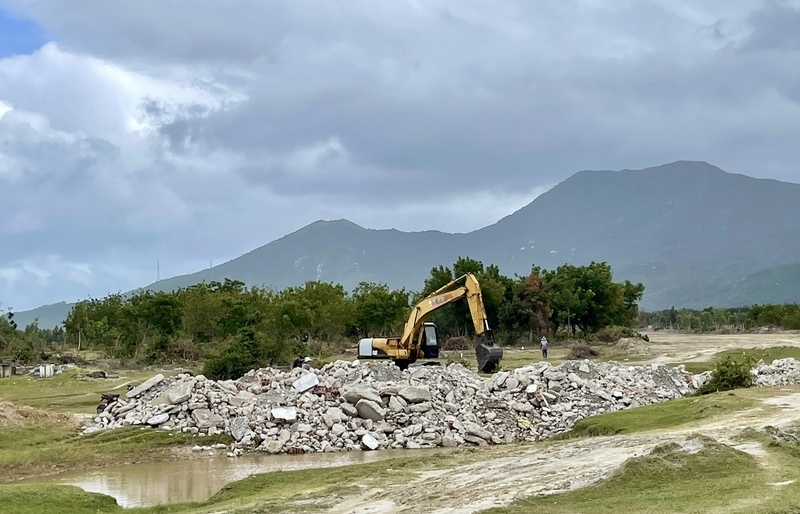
<point>729,373</point>
<point>456,343</point>
<point>582,351</point>
<point>614,333</point>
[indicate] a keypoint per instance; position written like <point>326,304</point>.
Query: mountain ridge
<point>692,232</point>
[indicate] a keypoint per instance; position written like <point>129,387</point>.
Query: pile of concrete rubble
<point>352,405</point>
<point>780,372</point>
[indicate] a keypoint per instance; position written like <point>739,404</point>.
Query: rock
<point>204,418</point>
<point>348,410</point>
<point>273,447</point>
<point>284,413</point>
<point>145,386</point>
<point>180,392</point>
<point>332,416</point>
<point>415,394</point>
<point>357,394</point>
<point>239,427</point>
<point>305,382</point>
<point>369,442</point>
<point>449,442</point>
<point>368,409</point>
<point>476,430</point>
<point>338,429</point>
<point>158,419</point>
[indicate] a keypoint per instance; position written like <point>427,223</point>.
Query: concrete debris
<point>356,406</point>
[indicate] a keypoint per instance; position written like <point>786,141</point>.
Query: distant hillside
<point>49,316</point>
<point>695,235</point>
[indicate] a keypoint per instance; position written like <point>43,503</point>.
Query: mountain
<point>695,235</point>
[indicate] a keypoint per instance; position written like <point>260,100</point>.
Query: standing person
<point>544,347</point>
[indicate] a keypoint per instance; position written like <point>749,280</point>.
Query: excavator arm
<point>443,296</point>
<point>419,338</point>
<point>487,353</point>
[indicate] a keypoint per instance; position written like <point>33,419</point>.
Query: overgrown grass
<point>659,415</point>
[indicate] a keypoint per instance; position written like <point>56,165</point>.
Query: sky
<point>137,133</point>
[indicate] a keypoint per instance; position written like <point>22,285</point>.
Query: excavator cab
<point>430,341</point>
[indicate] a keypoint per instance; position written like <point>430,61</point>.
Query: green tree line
<point>785,316</point>
<point>234,327</point>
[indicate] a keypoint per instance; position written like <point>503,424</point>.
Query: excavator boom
<point>407,347</point>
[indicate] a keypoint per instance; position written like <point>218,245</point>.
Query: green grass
<point>660,415</point>
<point>718,478</point>
<point>31,451</point>
<point>65,392</point>
<point>42,498</point>
<point>766,354</point>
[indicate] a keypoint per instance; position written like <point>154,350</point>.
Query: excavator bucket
<point>488,356</point>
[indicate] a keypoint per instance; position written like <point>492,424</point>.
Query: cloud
<point>145,131</point>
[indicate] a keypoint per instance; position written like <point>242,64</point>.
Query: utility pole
<point>158,271</point>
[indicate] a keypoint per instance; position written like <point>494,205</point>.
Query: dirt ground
<point>672,347</point>
<point>15,416</point>
<point>539,469</point>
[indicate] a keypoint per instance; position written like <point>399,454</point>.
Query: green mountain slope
<point>695,235</point>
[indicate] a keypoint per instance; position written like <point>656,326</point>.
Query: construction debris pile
<point>780,372</point>
<point>351,405</point>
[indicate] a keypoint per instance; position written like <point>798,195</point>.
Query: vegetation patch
<point>37,450</point>
<point>39,498</point>
<point>65,392</point>
<point>658,416</point>
<point>698,476</point>
<point>729,373</point>
<point>580,351</point>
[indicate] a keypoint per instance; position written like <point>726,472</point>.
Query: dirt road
<point>519,471</point>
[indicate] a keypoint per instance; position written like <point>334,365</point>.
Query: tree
<point>379,310</point>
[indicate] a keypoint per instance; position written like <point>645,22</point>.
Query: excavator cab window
<point>430,341</point>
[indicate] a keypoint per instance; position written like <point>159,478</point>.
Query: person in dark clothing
<point>298,363</point>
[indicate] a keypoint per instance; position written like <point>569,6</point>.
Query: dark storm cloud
<point>179,132</point>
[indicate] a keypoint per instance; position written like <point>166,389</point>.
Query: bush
<point>729,373</point>
<point>581,351</point>
<point>613,334</point>
<point>456,343</point>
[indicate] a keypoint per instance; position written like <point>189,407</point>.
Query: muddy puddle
<point>197,479</point>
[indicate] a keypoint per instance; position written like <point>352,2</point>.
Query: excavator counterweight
<point>419,339</point>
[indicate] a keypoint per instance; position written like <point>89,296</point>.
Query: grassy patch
<point>716,478</point>
<point>309,489</point>
<point>31,451</point>
<point>660,415</point>
<point>35,499</point>
<point>65,392</point>
<point>766,354</point>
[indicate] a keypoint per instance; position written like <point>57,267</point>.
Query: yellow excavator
<point>420,339</point>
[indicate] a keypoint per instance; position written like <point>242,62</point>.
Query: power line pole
<point>158,271</point>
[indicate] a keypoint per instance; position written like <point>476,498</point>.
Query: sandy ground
<point>671,347</point>
<point>531,470</point>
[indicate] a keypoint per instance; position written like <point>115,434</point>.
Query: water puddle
<point>197,479</point>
